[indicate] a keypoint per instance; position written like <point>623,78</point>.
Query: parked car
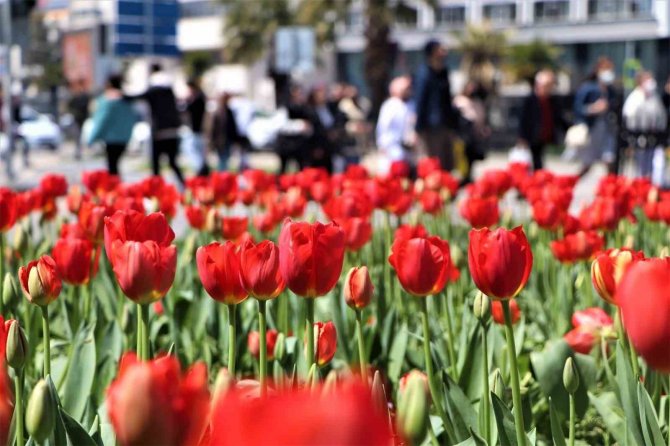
<point>38,130</point>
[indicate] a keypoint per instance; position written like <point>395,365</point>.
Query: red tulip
<point>500,261</point>
<point>253,343</point>
<point>427,165</point>
<point>357,232</point>
<point>644,299</point>
<point>234,227</point>
<point>260,274</point>
<point>196,216</point>
<point>547,214</point>
<point>311,257</point>
<point>154,403</point>
<point>74,259</point>
<point>423,264</point>
<point>53,185</point>
<point>40,281</point>
<point>8,209</point>
<point>499,316</point>
<point>431,202</point>
<point>581,245</point>
<point>358,288</point>
<point>100,182</point>
<point>590,326</point>
<point>224,186</point>
<point>608,268</point>
<point>219,270</point>
<point>325,340</point>
<point>300,417</point>
<point>92,219</point>
<point>480,212</point>
<point>409,231</point>
<point>6,406</point>
<point>142,256</point>
<point>580,341</point>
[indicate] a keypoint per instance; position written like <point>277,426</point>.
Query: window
<point>619,9</point>
<point>501,13</point>
<point>200,8</point>
<point>450,16</point>
<point>551,11</point>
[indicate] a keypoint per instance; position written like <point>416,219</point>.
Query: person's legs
<point>224,156</point>
<point>114,153</point>
<point>156,150</point>
<point>537,152</point>
<point>438,143</point>
<point>172,149</point>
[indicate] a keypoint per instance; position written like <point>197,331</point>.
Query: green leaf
<point>75,432</point>
<point>609,409</point>
<point>81,373</point>
<point>397,353</point>
<point>556,429</point>
<point>628,394</point>
<point>504,421</point>
<point>462,414</point>
<point>648,417</point>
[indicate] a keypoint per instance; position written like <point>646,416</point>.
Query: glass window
<point>551,11</point>
<point>450,16</point>
<point>200,8</point>
<point>619,9</point>
<point>501,13</point>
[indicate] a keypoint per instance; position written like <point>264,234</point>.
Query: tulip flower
<point>497,312</point>
<point>547,214</point>
<point>196,216</point>
<point>357,232</point>
<point>581,245</point>
<point>8,216</point>
<point>590,325</point>
<point>154,403</point>
<point>608,269</point>
<point>358,290</point>
<point>74,260</point>
<point>500,262</point>
<point>234,227</point>
<point>644,300</point>
<point>423,264</point>
<point>325,339</point>
<point>53,185</point>
<point>480,212</point>
<point>92,219</point>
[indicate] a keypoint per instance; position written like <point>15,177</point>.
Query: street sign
<point>146,27</point>
<point>294,49</point>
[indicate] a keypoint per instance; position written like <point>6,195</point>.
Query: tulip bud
<point>10,290</point>
<point>481,307</point>
<point>280,347</point>
<point>457,256</point>
<point>570,376</point>
<point>35,287</point>
<point>358,288</point>
<point>17,346</point>
<point>20,242</point>
<point>413,410</point>
<point>497,384</point>
<point>40,412</point>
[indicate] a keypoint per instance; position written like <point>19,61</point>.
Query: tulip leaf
<point>75,432</point>
<point>648,417</point>
<point>462,414</point>
<point>504,421</point>
<point>628,394</point>
<point>610,411</point>
<point>59,434</point>
<point>397,353</point>
<point>556,429</point>
<point>81,372</point>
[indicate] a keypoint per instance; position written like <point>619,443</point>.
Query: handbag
<point>577,137</point>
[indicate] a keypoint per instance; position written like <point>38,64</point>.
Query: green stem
<point>435,394</point>
<point>263,360</point>
<point>46,340</point>
<point>310,333</point>
<point>516,387</point>
<point>450,339</point>
<point>571,434</point>
<point>145,332</point>
<point>18,408</point>
<point>140,336</point>
<point>232,338</point>
<point>486,395</point>
<point>361,346</point>
<point>628,346</point>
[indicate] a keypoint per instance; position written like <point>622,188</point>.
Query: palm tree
<point>483,48</point>
<point>524,60</point>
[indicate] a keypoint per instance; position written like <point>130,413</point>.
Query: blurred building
<point>584,29</point>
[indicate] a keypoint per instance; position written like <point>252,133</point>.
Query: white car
<point>39,130</point>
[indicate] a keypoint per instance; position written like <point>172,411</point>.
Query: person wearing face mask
<point>645,120</point>
<point>596,105</point>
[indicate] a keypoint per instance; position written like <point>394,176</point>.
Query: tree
<point>45,52</point>
<point>483,48</point>
<point>524,60</point>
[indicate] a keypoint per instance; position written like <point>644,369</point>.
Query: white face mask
<point>649,86</point>
<point>606,77</point>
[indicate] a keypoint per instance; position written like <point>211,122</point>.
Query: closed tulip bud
<point>325,340</point>
<point>17,346</point>
<point>497,384</point>
<point>413,410</point>
<point>40,412</point>
<point>482,307</point>
<point>20,242</point>
<point>358,288</point>
<point>457,256</point>
<point>570,376</point>
<point>280,347</point>
<point>40,281</point>
<point>10,290</point>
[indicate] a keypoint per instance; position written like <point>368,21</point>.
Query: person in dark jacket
<point>165,121</point>
<point>196,105</point>
<point>294,140</point>
<point>541,120</point>
<point>436,118</point>
<point>224,132</point>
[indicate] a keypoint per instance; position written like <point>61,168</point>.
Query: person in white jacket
<point>395,125</point>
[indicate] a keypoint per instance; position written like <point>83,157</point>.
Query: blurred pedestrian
<point>541,118</point>
<point>327,130</point>
<point>113,122</point>
<point>165,120</point>
<point>596,106</point>
<point>645,121</point>
<point>78,106</point>
<point>223,131</point>
<point>356,109</point>
<point>196,104</point>
<point>395,133</point>
<point>436,118</point>
<point>294,139</point>
<point>474,129</point>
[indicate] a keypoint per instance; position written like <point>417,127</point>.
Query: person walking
<point>294,138</point>
<point>195,108</point>
<point>113,122</point>
<point>223,131</point>
<point>541,118</point>
<point>79,108</point>
<point>395,133</point>
<point>474,129</point>
<point>436,118</point>
<point>165,121</point>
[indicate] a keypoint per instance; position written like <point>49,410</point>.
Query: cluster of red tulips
<point>353,331</point>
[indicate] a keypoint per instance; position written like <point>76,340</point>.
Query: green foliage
<point>524,60</point>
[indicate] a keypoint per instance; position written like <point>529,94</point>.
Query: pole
<point>6,112</point>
